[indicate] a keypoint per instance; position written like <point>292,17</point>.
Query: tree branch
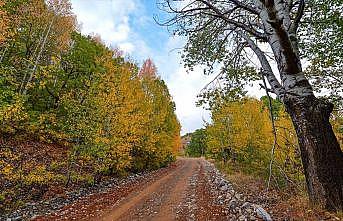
<point>300,13</point>
<point>274,131</point>
<point>267,89</point>
<point>241,25</point>
<point>280,41</point>
<point>267,69</point>
<point>245,7</point>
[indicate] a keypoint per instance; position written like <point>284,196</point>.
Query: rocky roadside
<point>34,210</point>
<point>188,208</point>
<point>237,205</point>
<point>209,196</point>
<point>212,197</point>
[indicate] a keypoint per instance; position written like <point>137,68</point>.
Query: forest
<point>72,110</point>
<point>77,113</point>
<point>240,138</point>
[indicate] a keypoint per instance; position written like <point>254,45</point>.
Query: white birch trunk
<point>33,55</point>
<point>285,49</point>
<point>38,58</point>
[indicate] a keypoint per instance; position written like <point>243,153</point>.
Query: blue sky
<point>129,25</point>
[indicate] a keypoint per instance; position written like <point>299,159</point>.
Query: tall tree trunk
<point>320,151</point>
<point>37,59</point>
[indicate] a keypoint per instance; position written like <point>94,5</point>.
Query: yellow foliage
<point>80,94</point>
<point>4,23</point>
<point>7,170</point>
<point>239,125</point>
<point>39,175</point>
<point>337,125</point>
<point>242,131</point>
<point>12,116</point>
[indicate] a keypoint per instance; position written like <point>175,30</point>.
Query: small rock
<point>17,218</point>
<point>253,218</point>
<point>34,217</point>
<point>224,188</point>
<point>241,218</point>
<point>246,205</point>
<point>249,211</point>
<point>232,203</point>
<point>261,213</point>
<point>238,196</point>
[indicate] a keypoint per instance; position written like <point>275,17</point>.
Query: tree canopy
<point>104,114</point>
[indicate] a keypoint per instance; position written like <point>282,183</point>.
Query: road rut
<point>179,192</point>
<point>159,200</point>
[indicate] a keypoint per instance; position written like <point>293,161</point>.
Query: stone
<point>224,188</point>
<point>246,205</point>
<point>252,218</point>
<point>242,218</point>
<point>249,211</point>
<point>261,213</point>
<point>232,203</point>
<point>17,218</point>
<point>238,196</point>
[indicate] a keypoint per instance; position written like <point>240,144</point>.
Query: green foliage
<point>276,105</point>
<point>39,175</point>
<point>60,87</point>
<point>322,45</point>
<point>198,144</point>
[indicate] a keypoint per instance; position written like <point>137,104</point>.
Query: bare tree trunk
<point>37,58</point>
<point>320,151</point>
<point>22,84</point>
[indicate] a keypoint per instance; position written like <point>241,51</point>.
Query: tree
<point>60,87</point>
<point>41,34</point>
<point>198,144</point>
<point>148,69</point>
<point>222,34</point>
<point>322,45</point>
<point>239,128</point>
<point>4,23</point>
<point>240,133</point>
<point>162,128</point>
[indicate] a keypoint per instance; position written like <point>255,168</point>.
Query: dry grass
<point>282,204</point>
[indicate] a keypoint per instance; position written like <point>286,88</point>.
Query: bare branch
<point>267,69</point>
<point>282,39</point>
<point>274,131</point>
<point>238,51</point>
<point>267,89</point>
<point>300,13</point>
<point>246,7</point>
<point>243,26</point>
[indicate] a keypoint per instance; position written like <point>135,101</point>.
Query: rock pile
<point>236,204</point>
<point>45,207</point>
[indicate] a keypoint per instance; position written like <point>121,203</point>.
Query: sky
<point>129,25</point>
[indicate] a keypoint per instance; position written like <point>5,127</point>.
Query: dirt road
<point>166,198</point>
<point>190,189</point>
<point>179,192</point>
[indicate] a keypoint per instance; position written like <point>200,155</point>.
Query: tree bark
<point>320,151</point>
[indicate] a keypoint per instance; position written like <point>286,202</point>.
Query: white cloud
<point>112,19</point>
<point>109,19</point>
<point>184,87</point>
<point>127,47</point>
